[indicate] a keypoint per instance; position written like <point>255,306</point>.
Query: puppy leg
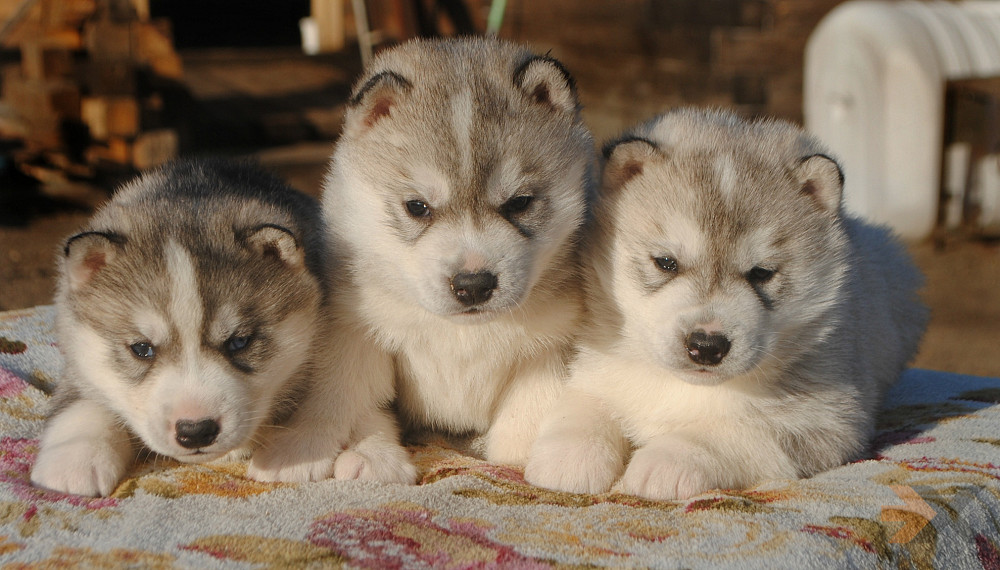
<point>680,466</point>
<point>354,379</point>
<point>84,451</point>
<point>377,455</point>
<point>580,447</point>
<point>532,392</point>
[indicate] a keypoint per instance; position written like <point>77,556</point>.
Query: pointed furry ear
<point>271,240</point>
<point>626,158</point>
<point>544,80</point>
<point>374,100</point>
<point>87,253</point>
<point>822,180</point>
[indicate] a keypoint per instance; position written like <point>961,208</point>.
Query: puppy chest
<point>450,390</point>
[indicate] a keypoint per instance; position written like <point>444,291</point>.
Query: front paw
<point>574,464</point>
<point>666,473</point>
<point>80,467</point>
<point>382,461</point>
<point>290,461</point>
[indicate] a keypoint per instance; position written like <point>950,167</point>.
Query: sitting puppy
<point>742,328</point>
<point>193,316</point>
<point>456,194</point>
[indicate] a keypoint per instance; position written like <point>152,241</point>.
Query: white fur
<point>83,451</point>
<point>307,449</point>
<point>493,370</point>
<point>811,349</point>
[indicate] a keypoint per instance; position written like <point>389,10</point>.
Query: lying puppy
<point>193,313</point>
<point>742,328</point>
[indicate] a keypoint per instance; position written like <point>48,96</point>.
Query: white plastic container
<point>874,93</point>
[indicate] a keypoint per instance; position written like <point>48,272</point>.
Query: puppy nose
<point>473,288</point>
<point>707,349</point>
<point>196,433</point>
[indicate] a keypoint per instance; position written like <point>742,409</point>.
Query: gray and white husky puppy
<point>192,311</point>
<point>742,327</point>
<point>458,191</point>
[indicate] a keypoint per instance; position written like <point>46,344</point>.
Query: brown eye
<point>418,208</point>
<point>759,275</point>
<point>516,205</point>
<point>666,264</point>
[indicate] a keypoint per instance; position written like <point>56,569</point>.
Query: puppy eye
<point>667,264</point>
<point>418,208</point>
<point>759,275</point>
<point>237,343</point>
<point>517,205</point>
<point>143,350</point>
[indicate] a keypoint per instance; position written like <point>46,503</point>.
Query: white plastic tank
<point>875,75</point>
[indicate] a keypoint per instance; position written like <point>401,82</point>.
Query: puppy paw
<point>382,461</point>
<point>81,467</point>
<point>573,464</point>
<point>667,472</point>
<point>505,446</point>
<point>290,461</point>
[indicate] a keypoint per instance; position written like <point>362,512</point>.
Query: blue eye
<point>666,264</point>
<point>143,350</point>
<point>237,343</point>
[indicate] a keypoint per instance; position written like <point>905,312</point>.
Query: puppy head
<point>718,245</point>
<point>462,175</point>
<point>192,340</point>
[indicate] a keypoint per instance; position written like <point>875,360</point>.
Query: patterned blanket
<point>928,497</point>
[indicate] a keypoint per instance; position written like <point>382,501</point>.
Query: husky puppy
<point>192,314</point>
<point>742,327</point>
<point>458,191</point>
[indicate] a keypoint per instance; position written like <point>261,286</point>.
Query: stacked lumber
<point>80,97</point>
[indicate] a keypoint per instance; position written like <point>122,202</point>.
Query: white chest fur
<point>452,375</point>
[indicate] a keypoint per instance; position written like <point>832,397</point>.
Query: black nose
<point>704,348</point>
<point>473,288</point>
<point>193,434</point>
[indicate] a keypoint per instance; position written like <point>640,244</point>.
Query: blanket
<point>929,496</point>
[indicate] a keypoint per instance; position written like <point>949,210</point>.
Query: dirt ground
<point>963,275</point>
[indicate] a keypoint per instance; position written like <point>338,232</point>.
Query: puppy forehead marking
<point>462,110</point>
<point>508,178</point>
<point>726,175</point>
<point>185,301</point>
<point>152,325</point>
<point>431,183</point>
<point>674,235</point>
<point>225,322</point>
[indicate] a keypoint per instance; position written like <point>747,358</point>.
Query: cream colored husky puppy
<point>458,191</point>
<point>742,327</point>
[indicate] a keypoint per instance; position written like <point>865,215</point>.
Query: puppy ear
<point>271,240</point>
<point>626,158</point>
<point>87,253</point>
<point>545,81</point>
<point>374,100</point>
<point>822,180</point>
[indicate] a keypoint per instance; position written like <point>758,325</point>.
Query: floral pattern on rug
<point>928,497</point>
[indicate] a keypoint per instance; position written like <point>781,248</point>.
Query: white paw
<point>381,461</point>
<point>666,473</point>
<point>574,464</point>
<point>290,461</point>
<point>505,445</point>
<point>86,467</point>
